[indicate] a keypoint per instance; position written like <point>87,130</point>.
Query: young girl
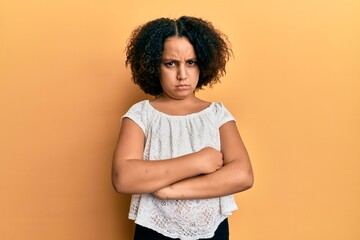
<point>180,157</point>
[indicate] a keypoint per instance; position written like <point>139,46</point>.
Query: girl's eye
<point>170,64</point>
<point>192,62</point>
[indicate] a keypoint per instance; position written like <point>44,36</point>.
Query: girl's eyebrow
<point>174,59</point>
<point>169,59</point>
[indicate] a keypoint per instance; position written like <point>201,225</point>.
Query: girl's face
<point>179,72</point>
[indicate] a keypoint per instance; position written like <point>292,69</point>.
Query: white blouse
<point>170,136</point>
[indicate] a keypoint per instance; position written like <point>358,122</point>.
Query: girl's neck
<point>165,98</point>
<point>179,106</point>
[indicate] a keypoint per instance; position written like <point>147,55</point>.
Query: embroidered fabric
<point>169,136</point>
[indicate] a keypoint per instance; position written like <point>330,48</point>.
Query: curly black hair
<point>145,48</point>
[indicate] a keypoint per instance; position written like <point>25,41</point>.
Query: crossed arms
<point>204,174</point>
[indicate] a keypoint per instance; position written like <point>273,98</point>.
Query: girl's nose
<point>181,74</point>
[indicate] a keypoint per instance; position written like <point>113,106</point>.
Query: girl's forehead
<point>178,46</point>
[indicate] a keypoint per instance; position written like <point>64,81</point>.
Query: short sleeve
<point>223,115</point>
<point>137,114</point>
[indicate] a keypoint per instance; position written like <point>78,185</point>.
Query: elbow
<point>121,180</point>
<point>119,184</point>
<point>245,181</point>
<point>123,183</point>
<point>117,187</point>
<point>248,180</point>
<point>116,184</point>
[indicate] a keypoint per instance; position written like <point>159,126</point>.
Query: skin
<point>204,174</point>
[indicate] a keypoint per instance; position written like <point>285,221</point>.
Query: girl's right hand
<point>210,160</point>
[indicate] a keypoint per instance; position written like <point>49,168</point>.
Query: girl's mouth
<point>183,86</point>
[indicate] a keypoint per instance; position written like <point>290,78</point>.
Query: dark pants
<point>143,233</point>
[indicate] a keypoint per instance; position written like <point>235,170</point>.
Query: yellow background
<point>293,86</point>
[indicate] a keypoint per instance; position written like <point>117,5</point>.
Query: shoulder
<point>219,107</point>
<point>139,105</point>
<point>222,114</point>
<point>140,108</point>
<point>139,114</point>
